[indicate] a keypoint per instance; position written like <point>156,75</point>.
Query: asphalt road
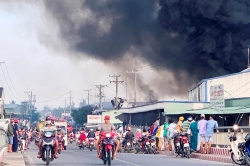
<point>75,157</point>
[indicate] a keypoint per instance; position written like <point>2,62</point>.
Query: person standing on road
<point>10,135</point>
<point>165,134</point>
<point>15,138</point>
<point>202,127</point>
<point>160,136</point>
<point>194,134</point>
<point>211,125</point>
<point>171,132</point>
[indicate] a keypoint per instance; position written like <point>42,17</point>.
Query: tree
<point>80,115</point>
<point>35,115</point>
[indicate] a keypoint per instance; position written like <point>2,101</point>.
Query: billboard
<point>217,96</point>
<point>94,119</point>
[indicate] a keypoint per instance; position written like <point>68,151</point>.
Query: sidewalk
<point>13,159</point>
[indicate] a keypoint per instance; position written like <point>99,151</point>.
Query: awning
<point>226,110</point>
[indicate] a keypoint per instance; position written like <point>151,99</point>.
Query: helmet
<point>53,118</point>
<point>190,118</point>
<point>59,129</point>
<point>91,129</point>
<point>15,120</point>
<point>181,118</point>
<point>107,117</point>
<point>48,118</point>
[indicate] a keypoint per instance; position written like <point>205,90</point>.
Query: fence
<point>3,139</point>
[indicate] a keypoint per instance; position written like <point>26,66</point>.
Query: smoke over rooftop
<point>192,39</point>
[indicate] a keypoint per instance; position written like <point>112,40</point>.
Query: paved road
<point>75,157</point>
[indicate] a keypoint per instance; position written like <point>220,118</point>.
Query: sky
<point>33,64</point>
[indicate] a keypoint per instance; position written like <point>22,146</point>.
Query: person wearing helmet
<point>15,138</point>
<point>107,127</point>
<point>61,132</point>
<point>186,124</point>
<point>129,137</point>
<point>179,124</point>
<point>53,120</point>
<point>90,136</point>
<point>52,128</point>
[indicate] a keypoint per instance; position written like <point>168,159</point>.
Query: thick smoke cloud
<point>194,39</point>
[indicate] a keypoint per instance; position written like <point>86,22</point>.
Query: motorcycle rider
<point>48,127</point>
<point>91,135</point>
<point>61,132</point>
<point>107,127</point>
<point>129,136</point>
<point>178,129</point>
<point>82,137</point>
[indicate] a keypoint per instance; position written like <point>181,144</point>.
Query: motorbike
<point>22,143</point>
<point>36,141</point>
<point>107,147</point>
<point>91,144</point>
<point>237,147</point>
<point>128,146</point>
<point>60,143</point>
<point>71,140</point>
<point>81,144</point>
<point>48,147</point>
<point>182,147</point>
<point>153,146</point>
<point>147,146</point>
<point>137,146</point>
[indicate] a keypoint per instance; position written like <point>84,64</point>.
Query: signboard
<point>94,119</point>
<point>217,96</point>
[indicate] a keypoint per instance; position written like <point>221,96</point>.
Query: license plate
<point>147,143</point>
<point>91,142</point>
<point>178,144</point>
<point>128,144</point>
<point>153,144</point>
<point>186,145</point>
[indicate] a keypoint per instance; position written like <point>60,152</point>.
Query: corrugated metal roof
<point>10,106</point>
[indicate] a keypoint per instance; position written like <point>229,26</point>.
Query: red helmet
<point>107,117</point>
<point>15,120</point>
<point>52,118</point>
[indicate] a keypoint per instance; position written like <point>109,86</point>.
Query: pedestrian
<point>16,135</point>
<point>194,134</point>
<point>202,127</point>
<point>160,136</point>
<point>165,134</point>
<point>10,134</point>
<point>152,128</point>
<point>171,133</point>
<point>211,125</point>
<point>138,134</point>
<point>6,125</point>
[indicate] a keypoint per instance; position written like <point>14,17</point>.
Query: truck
<point>63,124</point>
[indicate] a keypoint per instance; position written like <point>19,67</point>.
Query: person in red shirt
<point>82,137</point>
<point>152,128</point>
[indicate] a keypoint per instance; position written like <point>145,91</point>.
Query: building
<point>235,85</point>
<point>12,110</point>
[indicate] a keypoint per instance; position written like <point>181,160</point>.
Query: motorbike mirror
<point>235,127</point>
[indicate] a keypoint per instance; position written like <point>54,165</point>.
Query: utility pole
<point>100,87</point>
<point>116,81</point>
<point>70,101</point>
<point>134,72</point>
<point>88,90</point>
<point>30,101</point>
<point>65,106</point>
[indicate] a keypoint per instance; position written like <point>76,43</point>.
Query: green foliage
<point>80,115</point>
<point>35,116</point>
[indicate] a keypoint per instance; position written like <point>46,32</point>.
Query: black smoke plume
<point>193,39</point>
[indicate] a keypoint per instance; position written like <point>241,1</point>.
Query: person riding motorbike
<point>91,135</point>
<point>82,137</point>
<point>129,136</point>
<point>61,132</point>
<point>107,127</point>
<point>48,127</point>
<point>179,130</point>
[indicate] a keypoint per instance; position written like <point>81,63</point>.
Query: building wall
<point>112,115</point>
<point>235,86</point>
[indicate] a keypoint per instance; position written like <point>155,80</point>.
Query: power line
<point>54,98</point>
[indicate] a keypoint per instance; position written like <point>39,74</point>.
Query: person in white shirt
<point>6,125</point>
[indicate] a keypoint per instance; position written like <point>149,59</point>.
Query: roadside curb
<point>2,154</point>
<point>14,159</point>
<point>208,157</point>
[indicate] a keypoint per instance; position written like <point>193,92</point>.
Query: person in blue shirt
<point>211,125</point>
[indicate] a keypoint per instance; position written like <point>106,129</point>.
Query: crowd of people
<point>15,133</point>
<point>199,130</point>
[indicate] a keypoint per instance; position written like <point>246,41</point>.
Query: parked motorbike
<point>48,147</point>
<point>237,147</point>
<point>153,146</point>
<point>91,144</point>
<point>182,147</point>
<point>60,143</point>
<point>137,146</point>
<point>107,147</point>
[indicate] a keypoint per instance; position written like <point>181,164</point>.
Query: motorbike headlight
<point>235,127</point>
